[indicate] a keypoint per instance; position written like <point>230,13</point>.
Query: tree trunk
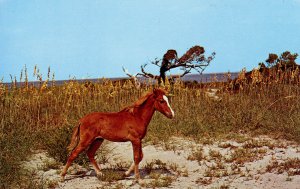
<point>163,69</point>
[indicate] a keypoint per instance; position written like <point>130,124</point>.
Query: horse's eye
<point>161,101</point>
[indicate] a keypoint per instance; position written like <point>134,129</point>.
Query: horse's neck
<point>146,111</point>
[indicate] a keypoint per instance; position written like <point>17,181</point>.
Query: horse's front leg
<point>137,154</point>
<point>127,173</point>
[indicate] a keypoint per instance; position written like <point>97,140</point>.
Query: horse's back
<point>111,126</point>
<point>97,117</point>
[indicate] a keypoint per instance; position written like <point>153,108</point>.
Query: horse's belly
<point>114,135</point>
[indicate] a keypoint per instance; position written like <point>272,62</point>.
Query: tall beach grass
<point>42,116</point>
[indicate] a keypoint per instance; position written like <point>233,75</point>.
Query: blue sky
<point>92,39</point>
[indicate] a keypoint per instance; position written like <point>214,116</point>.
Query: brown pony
<point>130,124</point>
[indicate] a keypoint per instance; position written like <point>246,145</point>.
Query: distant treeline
<point>203,78</point>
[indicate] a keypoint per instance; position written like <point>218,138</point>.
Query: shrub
<point>56,142</point>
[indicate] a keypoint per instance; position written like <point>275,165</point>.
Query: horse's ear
<point>158,91</point>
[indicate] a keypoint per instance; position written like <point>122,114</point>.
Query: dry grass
<point>243,155</point>
<point>42,117</point>
<point>291,166</point>
<point>111,175</point>
<point>196,154</point>
<point>159,175</point>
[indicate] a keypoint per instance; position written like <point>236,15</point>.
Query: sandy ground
<point>252,163</point>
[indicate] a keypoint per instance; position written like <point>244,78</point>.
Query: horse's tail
<point>74,139</point>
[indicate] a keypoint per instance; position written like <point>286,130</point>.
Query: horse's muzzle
<point>170,115</point>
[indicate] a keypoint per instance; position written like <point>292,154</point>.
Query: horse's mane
<point>141,101</point>
<point>138,103</point>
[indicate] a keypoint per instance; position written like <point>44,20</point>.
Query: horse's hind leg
<point>131,168</point>
<point>91,154</point>
<point>80,147</point>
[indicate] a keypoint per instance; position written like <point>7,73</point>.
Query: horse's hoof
<point>141,182</point>
<point>62,178</point>
<point>127,173</point>
<point>99,174</point>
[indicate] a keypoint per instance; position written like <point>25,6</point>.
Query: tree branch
<point>146,74</point>
<point>156,62</point>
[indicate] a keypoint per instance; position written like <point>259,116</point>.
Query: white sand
<point>188,174</point>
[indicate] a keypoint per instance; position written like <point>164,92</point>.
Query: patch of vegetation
<point>159,174</point>
<point>291,166</point>
<point>15,145</point>
<point>226,145</point>
<point>239,138</point>
<point>216,170</point>
<point>111,175</point>
<point>258,144</point>
<point>112,186</point>
<point>204,181</point>
<point>243,155</point>
<point>51,184</point>
<point>155,165</point>
<point>162,181</point>
<point>175,168</point>
<point>57,140</point>
<point>51,165</point>
<point>197,155</point>
<point>214,154</point>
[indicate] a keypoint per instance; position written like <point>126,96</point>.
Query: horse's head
<point>161,103</point>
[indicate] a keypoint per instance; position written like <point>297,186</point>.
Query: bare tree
<point>136,82</point>
<point>193,59</point>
